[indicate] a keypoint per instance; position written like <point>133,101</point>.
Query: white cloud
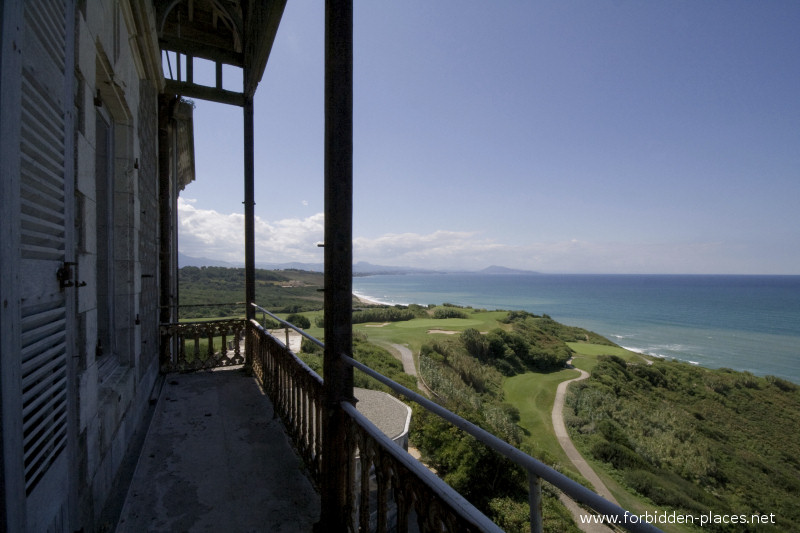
<point>470,251</point>
<point>208,233</point>
<point>440,249</point>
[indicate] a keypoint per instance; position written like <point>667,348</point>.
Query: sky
<point>563,136</point>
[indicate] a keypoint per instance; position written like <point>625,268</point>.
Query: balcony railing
<point>295,391</point>
<point>387,489</point>
<point>202,345</point>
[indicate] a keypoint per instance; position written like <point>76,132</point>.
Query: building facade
<point>89,182</point>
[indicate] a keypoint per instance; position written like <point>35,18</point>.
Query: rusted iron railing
<point>389,490</point>
<point>202,345</point>
<point>295,391</point>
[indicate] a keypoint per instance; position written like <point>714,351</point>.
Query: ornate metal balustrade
<point>202,345</point>
<point>295,391</point>
<point>391,491</point>
<point>388,490</point>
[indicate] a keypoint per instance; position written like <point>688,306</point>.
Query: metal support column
<point>249,211</point>
<point>338,376</point>
<point>535,502</point>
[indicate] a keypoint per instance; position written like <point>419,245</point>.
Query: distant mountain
<point>186,261</point>
<point>501,270</point>
<point>361,268</point>
<point>294,265</point>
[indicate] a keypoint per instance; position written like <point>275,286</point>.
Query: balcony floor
<point>215,459</point>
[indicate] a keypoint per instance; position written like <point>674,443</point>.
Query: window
<point>104,197</point>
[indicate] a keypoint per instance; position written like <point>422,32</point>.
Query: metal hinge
<point>64,276</point>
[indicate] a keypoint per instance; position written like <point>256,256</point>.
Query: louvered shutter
<point>44,221</point>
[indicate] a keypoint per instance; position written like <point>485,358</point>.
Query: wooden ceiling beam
<point>203,33</point>
<point>202,50</point>
<point>201,92</point>
<point>240,33</point>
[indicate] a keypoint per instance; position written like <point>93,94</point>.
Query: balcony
<point>239,446</point>
<point>216,458</point>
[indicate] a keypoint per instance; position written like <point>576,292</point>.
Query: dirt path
<point>407,358</point>
<point>403,353</point>
<point>566,443</point>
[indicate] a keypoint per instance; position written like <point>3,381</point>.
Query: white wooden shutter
<point>43,226</point>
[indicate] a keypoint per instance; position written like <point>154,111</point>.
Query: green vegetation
<point>466,373</point>
<point>375,314</point>
<point>533,394</point>
<point>585,355</point>
<point>373,356</point>
<point>202,289</point>
<point>298,320</point>
<point>555,329</point>
<point>693,439</point>
<point>466,369</point>
<point>663,435</point>
<point>448,312</point>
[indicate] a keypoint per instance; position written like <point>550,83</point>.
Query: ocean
<point>749,323</point>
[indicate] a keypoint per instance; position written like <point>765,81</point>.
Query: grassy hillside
<point>277,290</point>
<point>693,439</point>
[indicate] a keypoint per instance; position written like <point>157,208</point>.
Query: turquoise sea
<point>747,323</point>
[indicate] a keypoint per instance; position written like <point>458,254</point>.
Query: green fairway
<point>417,332</point>
<point>533,394</point>
<point>586,354</point>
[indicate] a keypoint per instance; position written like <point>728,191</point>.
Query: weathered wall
<point>115,378</point>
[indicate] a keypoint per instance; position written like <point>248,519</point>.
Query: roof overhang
<point>239,33</point>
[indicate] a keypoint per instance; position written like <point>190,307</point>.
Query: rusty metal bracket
<point>64,276</point>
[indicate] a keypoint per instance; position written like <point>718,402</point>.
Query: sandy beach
<point>367,300</point>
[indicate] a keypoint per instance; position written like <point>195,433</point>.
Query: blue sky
<point>561,136</point>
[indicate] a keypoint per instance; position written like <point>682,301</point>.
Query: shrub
<point>476,344</point>
<point>782,384</point>
<point>666,489</point>
<point>448,312</point>
<point>300,321</point>
<point>307,346</point>
<point>620,456</point>
<point>386,314</point>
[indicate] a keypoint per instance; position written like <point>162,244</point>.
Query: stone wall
<point>118,254</point>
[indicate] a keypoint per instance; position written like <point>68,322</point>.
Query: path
<point>566,443</point>
<point>407,359</point>
<point>576,458</point>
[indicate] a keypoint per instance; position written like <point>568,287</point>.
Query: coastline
<point>749,324</point>
<point>369,300</point>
